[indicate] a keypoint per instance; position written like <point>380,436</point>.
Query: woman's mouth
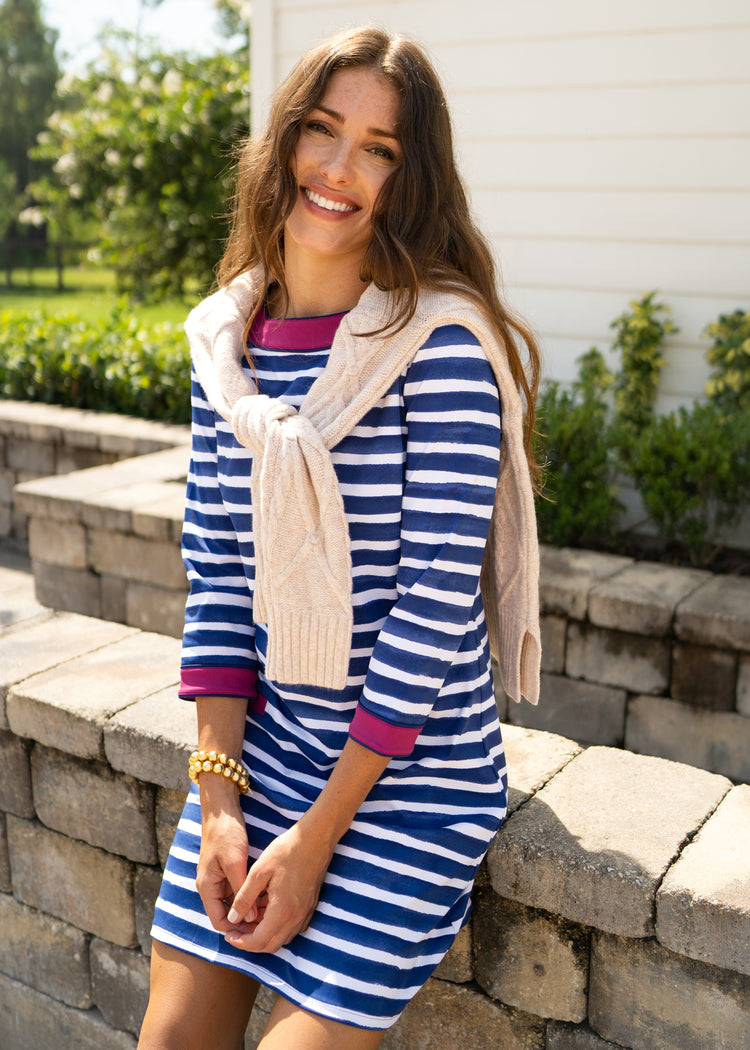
<point>323,202</point>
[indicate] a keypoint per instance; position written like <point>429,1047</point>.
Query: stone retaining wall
<point>645,656</point>
<point>40,440</point>
<point>638,655</point>
<point>613,910</point>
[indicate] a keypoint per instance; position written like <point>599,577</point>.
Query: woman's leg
<point>194,1004</point>
<point>292,1028</point>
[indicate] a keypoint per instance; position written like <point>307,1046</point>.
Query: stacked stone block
<point>613,911</point>
<point>98,500</point>
<point>645,656</point>
<point>41,440</point>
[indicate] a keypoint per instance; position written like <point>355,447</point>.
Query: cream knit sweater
<point>303,563</point>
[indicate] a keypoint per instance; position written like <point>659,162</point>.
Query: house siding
<point>606,149</point>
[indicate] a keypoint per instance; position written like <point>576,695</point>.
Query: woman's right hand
<point>222,866</point>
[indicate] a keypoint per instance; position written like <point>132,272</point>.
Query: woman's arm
<point>281,891</point>
<point>222,866</point>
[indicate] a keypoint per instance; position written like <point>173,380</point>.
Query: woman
<point>335,641</point>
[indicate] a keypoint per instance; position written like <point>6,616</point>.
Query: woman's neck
<point>319,286</point>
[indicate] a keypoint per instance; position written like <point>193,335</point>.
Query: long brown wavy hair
<point>423,233</point>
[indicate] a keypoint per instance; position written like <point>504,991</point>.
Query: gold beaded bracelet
<point>213,762</point>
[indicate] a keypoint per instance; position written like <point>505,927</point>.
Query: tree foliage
<point>28,73</point>
<point>143,144</point>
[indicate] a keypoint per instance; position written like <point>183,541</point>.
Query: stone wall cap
<point>44,643</point>
<point>567,575</point>
<point>68,707</point>
<point>152,739</point>
<point>595,842</point>
<point>75,426</point>
<point>703,904</point>
<point>717,613</point>
<point>533,757</point>
<point>116,508</point>
<point>642,597</point>
<point>63,496</point>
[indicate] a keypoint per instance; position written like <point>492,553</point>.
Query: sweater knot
<point>254,415</point>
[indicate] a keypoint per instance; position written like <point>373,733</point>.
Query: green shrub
<point>641,332</point>
<point>116,365</point>
<point>579,506</point>
<point>692,469</point>
<point>729,383</point>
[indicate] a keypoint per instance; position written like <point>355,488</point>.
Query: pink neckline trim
<point>294,333</point>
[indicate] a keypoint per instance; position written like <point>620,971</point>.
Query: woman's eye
<point>383,152</point>
<point>315,125</point>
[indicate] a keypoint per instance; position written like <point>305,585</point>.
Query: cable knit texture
<point>303,564</point>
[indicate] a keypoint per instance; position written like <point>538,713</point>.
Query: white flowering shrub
<point>141,147</point>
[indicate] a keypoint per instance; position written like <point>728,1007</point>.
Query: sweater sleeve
<point>218,649</point>
<point>452,414</point>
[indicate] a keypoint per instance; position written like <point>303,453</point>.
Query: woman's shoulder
<point>452,335</point>
<point>452,354</point>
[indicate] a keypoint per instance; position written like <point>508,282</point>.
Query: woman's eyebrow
<point>370,131</point>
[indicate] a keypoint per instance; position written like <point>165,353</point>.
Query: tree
<point>142,143</point>
<point>28,73</point>
<point>10,199</point>
<point>234,19</point>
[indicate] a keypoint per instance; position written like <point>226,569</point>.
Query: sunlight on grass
<point>89,293</point>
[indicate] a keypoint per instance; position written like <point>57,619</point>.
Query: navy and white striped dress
<point>417,477</point>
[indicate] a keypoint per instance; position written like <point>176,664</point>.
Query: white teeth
<point>329,205</point>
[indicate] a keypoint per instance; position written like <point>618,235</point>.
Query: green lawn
<point>89,293</point>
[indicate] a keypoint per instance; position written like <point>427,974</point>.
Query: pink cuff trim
<point>382,737</point>
<point>218,681</point>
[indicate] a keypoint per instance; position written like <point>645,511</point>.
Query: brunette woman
<point>358,536</point>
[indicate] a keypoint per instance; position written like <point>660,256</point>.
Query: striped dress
<point>417,476</point>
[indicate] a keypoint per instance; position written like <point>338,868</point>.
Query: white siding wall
<point>606,147</point>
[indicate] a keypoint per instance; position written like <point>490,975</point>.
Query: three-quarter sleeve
<point>218,653</point>
<point>452,415</point>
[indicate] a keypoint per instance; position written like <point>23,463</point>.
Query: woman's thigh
<point>292,1028</point>
<point>194,1004</point>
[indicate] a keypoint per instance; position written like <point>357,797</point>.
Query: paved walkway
<point>17,601</point>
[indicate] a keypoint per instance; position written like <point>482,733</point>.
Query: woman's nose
<point>337,166</point>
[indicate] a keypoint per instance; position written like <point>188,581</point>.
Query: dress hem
<point>269,980</point>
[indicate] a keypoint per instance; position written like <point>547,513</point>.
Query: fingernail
<point>233,915</point>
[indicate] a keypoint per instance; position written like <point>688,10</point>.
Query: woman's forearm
<point>221,723</point>
<point>221,728</point>
<point>355,773</point>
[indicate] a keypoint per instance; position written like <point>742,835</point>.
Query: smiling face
<point>348,146</point>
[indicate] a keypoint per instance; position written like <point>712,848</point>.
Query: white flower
<point>104,92</point>
<point>112,157</point>
<point>139,162</point>
<point>65,164</point>
<point>172,82</point>
<point>65,83</point>
<point>242,7</point>
<point>32,217</point>
<point>75,191</point>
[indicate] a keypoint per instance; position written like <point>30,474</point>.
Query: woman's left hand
<point>283,886</point>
